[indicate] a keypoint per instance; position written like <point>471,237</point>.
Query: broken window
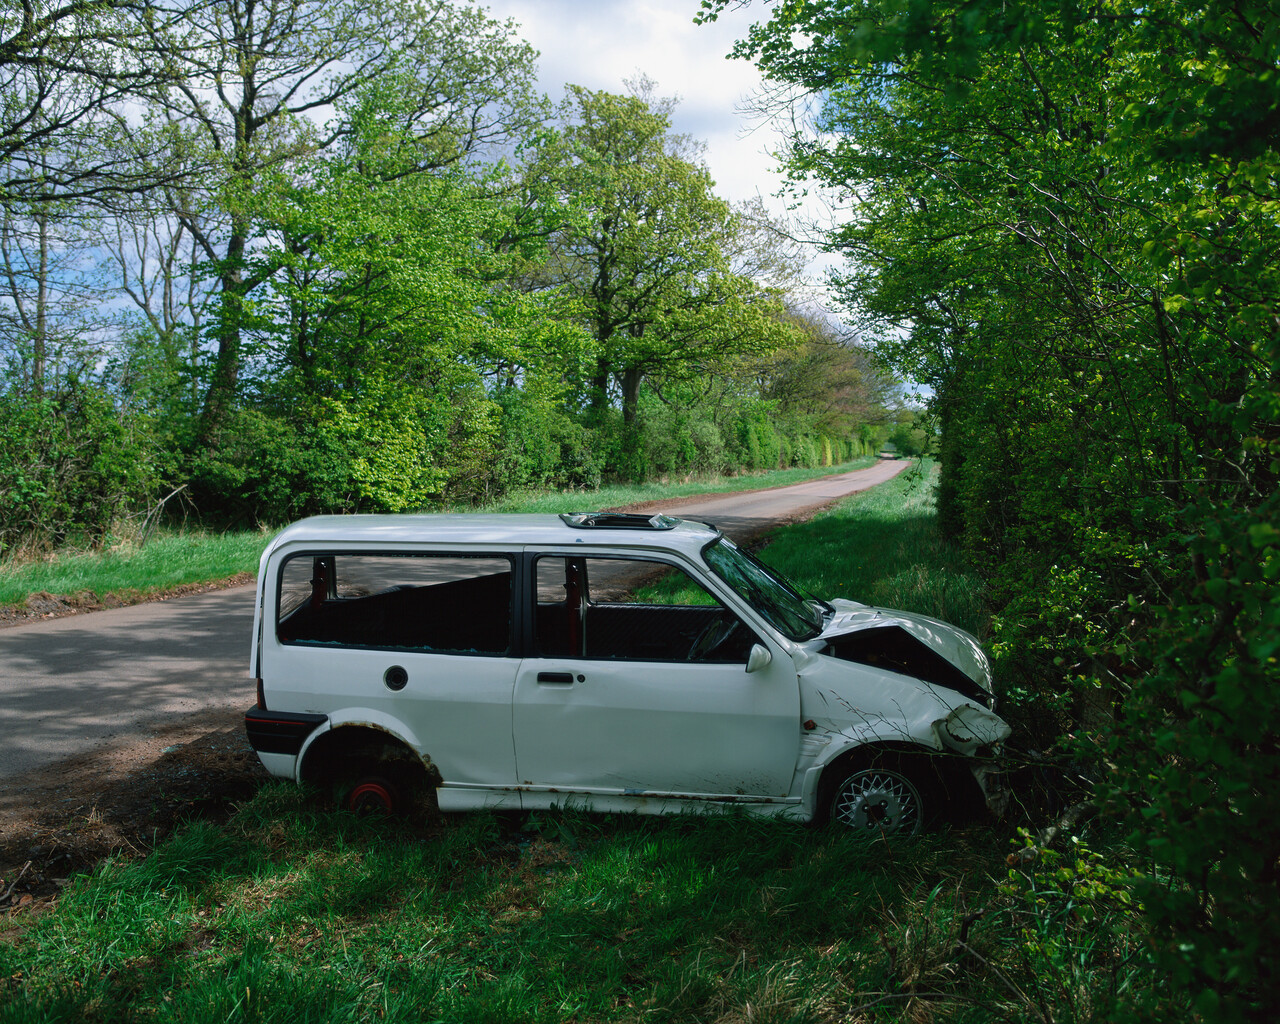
<point>457,604</point>
<point>631,609</point>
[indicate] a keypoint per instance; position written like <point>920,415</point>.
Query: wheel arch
<point>947,779</point>
<point>352,746</point>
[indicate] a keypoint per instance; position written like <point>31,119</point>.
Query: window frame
<point>663,558</point>
<point>512,557</point>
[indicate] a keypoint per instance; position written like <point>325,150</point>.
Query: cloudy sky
<point>598,43</point>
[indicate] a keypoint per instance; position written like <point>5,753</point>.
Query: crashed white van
<point>613,662</point>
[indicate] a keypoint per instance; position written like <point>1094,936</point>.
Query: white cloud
<point>599,43</point>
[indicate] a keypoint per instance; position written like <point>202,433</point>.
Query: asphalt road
<point>69,685</point>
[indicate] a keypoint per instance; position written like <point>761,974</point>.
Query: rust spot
<point>810,725</point>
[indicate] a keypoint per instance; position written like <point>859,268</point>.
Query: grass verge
<point>126,572</point>
<point>882,547</point>
<point>287,912</point>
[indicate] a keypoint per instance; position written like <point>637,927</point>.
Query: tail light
<point>262,700</point>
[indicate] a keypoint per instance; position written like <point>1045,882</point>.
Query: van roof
<point>492,529</point>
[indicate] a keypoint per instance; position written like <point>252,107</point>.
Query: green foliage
<point>644,247</point>
<point>1072,927</point>
<point>262,469</point>
<point>1200,794</point>
<point>71,461</point>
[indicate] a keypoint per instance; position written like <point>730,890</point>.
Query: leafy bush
<point>263,469</point>
<point>71,462</point>
<point>1199,741</point>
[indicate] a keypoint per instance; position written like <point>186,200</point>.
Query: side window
<point>453,604</point>
<point>631,609</point>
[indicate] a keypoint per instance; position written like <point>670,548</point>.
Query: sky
<point>599,43</point>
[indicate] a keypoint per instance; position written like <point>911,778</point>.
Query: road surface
<point>108,677</point>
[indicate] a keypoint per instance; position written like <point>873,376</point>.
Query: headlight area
<point>977,733</point>
<point>972,731</point>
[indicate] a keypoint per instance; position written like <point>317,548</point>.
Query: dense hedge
<point>76,461</point>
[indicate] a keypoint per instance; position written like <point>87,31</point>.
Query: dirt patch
<point>64,819</point>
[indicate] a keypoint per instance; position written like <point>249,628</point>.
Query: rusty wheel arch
<point>348,752</point>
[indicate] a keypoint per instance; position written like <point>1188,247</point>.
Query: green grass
<point>882,547</point>
<point>168,560</point>
<point>173,559</point>
<point>290,913</point>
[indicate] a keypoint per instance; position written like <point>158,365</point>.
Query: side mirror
<point>758,658</point>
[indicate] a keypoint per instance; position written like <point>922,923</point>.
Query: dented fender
<point>847,706</point>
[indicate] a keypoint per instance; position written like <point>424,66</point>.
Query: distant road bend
<point>109,677</point>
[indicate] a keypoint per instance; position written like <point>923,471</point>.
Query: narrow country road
<point>106,678</point>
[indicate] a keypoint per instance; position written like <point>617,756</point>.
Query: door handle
<point>562,678</point>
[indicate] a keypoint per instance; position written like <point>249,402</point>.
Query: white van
<point>613,662</point>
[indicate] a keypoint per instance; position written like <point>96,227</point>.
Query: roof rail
<point>617,521</point>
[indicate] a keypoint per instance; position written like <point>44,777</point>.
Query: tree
<point>51,315</point>
<point>838,385</point>
<point>647,248</point>
<point>68,71</point>
<point>382,335</point>
<point>255,78</point>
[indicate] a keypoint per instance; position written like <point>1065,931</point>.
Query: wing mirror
<point>758,658</point>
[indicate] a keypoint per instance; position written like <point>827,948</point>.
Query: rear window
<point>450,604</point>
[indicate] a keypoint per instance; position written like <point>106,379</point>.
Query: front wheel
<point>879,801</point>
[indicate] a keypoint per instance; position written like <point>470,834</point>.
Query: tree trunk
<point>39,341</point>
<point>226,368</point>
<point>631,378</point>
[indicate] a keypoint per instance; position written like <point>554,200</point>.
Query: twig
<point>153,516</point>
<point>9,891</point>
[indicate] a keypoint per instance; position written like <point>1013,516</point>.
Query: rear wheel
<point>879,800</point>
<point>373,794</point>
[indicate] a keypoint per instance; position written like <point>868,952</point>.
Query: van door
<point>637,684</point>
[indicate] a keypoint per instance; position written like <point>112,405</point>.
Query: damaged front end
<point>927,684</point>
<point>916,646</point>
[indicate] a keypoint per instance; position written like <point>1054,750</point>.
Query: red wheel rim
<point>371,796</point>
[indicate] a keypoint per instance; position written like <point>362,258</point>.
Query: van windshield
<point>766,590</point>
